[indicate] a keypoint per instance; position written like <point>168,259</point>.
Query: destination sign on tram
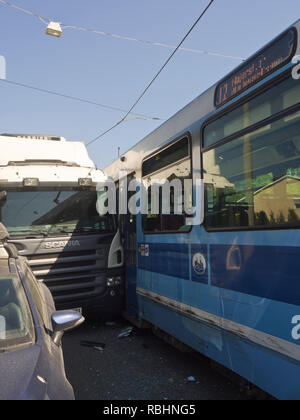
<point>270,59</point>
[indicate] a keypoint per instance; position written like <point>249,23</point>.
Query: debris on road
<point>93,344</point>
<point>126,332</point>
<point>110,324</point>
<point>157,374</point>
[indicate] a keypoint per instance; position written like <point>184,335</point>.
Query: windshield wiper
<point>85,230</point>
<point>36,235</point>
<point>55,232</point>
<point>28,234</point>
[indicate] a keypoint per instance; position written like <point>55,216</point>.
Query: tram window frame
<point>239,134</point>
<point>256,94</point>
<point>187,136</point>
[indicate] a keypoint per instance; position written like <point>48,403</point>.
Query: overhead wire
<point>155,77</point>
<point>28,12</point>
<point>74,98</point>
<point>117,36</point>
<point>130,111</point>
<point>155,44</point>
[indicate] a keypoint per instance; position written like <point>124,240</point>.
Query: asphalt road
<point>139,367</point>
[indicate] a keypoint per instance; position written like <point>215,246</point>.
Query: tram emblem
<point>144,250</point>
<point>199,264</point>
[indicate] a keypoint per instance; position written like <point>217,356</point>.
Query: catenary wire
<point>126,38</point>
<point>28,12</point>
<point>155,77</point>
<point>155,44</point>
<point>74,98</point>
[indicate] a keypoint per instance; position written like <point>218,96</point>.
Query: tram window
<point>254,180</point>
<point>174,153</point>
<point>165,175</point>
<point>275,100</point>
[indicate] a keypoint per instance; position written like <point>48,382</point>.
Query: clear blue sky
<point>114,71</point>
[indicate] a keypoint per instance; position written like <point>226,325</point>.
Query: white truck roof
<point>51,174</point>
<point>18,150</point>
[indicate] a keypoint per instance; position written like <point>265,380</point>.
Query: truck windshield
<point>16,327</point>
<point>53,212</point>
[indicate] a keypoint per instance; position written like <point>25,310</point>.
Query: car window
<point>16,325</point>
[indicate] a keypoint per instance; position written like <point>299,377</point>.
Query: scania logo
<point>61,244</point>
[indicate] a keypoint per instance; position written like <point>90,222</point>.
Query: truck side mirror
<point>3,195</point>
<point>3,233</point>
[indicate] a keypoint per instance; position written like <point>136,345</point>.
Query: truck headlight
<point>31,182</point>
<point>114,281</point>
<point>85,182</point>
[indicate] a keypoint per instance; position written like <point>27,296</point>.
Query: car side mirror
<point>63,321</point>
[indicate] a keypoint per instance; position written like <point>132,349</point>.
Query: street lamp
<point>54,29</point>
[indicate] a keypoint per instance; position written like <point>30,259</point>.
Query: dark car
<point>31,358</point>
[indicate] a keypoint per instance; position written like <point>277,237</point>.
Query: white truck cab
<point>48,204</point>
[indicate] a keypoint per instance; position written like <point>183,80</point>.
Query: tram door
<point>130,237</point>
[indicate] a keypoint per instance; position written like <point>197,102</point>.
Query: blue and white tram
<point>229,286</point>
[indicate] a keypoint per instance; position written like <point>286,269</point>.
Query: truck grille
<point>70,276</point>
